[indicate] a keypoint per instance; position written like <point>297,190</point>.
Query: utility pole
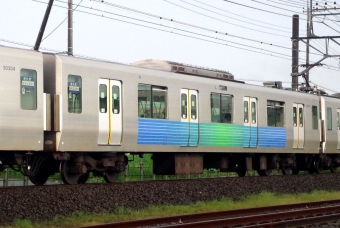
<point>295,52</point>
<point>309,18</point>
<point>311,13</point>
<point>70,28</point>
<point>43,26</point>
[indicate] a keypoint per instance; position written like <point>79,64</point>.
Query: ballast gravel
<point>46,202</point>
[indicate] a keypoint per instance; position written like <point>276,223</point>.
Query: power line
<point>61,23</point>
<point>232,17</point>
<point>274,6</point>
<point>267,11</point>
<point>241,15</point>
<point>180,34</point>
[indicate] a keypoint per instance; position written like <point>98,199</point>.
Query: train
<point>73,116</point>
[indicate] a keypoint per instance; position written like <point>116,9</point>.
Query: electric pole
<point>70,28</point>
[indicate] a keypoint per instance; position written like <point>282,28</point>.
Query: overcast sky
<point>98,33</point>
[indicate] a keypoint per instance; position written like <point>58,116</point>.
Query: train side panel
<point>21,100</point>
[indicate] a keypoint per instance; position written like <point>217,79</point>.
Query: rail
<point>273,216</point>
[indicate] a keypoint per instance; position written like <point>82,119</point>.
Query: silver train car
<point>76,116</point>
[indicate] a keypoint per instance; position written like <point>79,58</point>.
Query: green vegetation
<point>123,214</point>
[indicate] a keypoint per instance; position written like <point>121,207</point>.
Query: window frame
<point>27,87</point>
<point>72,109</point>
<point>274,104</point>
<point>152,98</point>
<point>220,106</point>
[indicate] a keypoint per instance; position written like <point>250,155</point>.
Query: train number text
<point>10,68</point>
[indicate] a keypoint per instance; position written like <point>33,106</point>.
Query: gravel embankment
<point>43,203</point>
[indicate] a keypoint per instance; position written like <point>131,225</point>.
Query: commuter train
<point>75,116</point>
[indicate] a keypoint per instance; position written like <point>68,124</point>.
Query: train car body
<point>87,114</point>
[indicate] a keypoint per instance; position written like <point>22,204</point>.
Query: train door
<point>189,116</point>
<point>250,122</point>
<point>338,126</point>
<point>110,112</point>
<point>299,128</point>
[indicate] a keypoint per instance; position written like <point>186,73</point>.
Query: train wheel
<point>66,176</point>
<point>287,171</point>
<point>83,178</point>
<point>318,165</point>
<point>110,176</point>
<point>241,171</point>
<point>333,169</point>
<point>40,177</point>
<point>295,171</point>
<point>266,172</point>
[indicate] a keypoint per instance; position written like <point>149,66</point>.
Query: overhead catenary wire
<point>178,22</point>
<point>252,19</point>
<point>214,38</point>
<point>181,23</point>
<point>225,16</point>
<point>275,6</point>
<point>184,35</point>
<point>60,23</point>
<point>223,20</point>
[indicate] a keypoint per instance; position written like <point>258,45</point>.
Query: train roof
<point>184,69</point>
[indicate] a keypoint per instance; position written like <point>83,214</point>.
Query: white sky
<point>100,37</point>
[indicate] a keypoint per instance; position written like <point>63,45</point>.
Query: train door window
<point>159,102</point>
<point>294,116</point>
<point>215,107</point>
<point>115,100</point>
<point>253,112</point>
<point>152,101</point>
<point>329,119</point>
<point>184,100</point>
<point>275,113</point>
<point>338,119</point>
<point>74,94</point>
<point>28,89</point>
<point>226,108</point>
<point>193,107</point>
<point>315,117</point>
<point>144,101</point>
<point>245,105</point>
<point>221,108</point>
<point>102,98</point>
<point>301,117</point>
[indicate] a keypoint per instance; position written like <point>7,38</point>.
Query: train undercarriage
<point>75,168</point>
<point>264,164</point>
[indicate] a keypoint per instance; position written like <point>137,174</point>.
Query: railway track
<point>46,202</point>
<point>274,216</point>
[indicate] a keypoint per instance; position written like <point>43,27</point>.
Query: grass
<point>123,214</point>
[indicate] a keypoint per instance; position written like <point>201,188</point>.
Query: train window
<point>193,107</point>
<point>315,117</point>
<point>115,100</point>
<point>215,107</point>
<point>245,105</point>
<point>301,117</point>
<point>28,89</point>
<point>329,119</point>
<point>275,113</point>
<point>74,94</point>
<point>102,98</point>
<point>152,101</point>
<point>338,119</point>
<point>253,112</point>
<point>227,108</point>
<point>184,105</point>
<point>294,116</point>
<point>221,108</point>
